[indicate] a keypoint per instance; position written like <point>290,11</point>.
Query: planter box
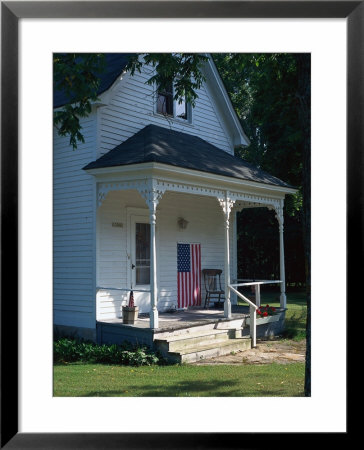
<point>263,320</point>
<point>267,327</point>
<point>130,314</point>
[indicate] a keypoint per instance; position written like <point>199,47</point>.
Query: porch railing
<point>252,306</point>
<point>102,288</point>
<point>123,302</point>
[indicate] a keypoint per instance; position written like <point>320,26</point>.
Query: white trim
<point>94,250</point>
<point>130,212</point>
<point>173,118</point>
<point>179,172</point>
<point>105,96</point>
<point>224,124</point>
<point>244,140</point>
<point>234,274</point>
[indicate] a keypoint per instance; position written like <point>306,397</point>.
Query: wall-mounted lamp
<point>182,223</point>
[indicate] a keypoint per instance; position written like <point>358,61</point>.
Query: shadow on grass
<point>188,389</point>
<point>295,326</point>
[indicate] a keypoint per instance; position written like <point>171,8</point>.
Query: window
<point>165,101</point>
<point>142,253</point>
<point>169,107</point>
<point>181,109</point>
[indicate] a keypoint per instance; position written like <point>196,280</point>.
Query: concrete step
<point>196,339</point>
<point>210,351</point>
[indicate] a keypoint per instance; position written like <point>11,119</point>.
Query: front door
<point>139,269</point>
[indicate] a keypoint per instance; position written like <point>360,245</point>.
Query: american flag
<point>189,275</point>
<point>131,299</point>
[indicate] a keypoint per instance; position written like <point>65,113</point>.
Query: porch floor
<point>186,318</point>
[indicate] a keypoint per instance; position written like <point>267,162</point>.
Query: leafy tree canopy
<point>183,68</point>
<point>77,75</point>
<point>264,89</point>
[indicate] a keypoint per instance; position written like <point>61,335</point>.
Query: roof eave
<point>241,138</point>
<point>178,173</point>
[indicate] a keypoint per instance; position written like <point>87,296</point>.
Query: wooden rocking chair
<point>212,280</point>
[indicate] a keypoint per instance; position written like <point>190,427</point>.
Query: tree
<point>183,68</point>
<point>271,94</point>
<point>77,75</point>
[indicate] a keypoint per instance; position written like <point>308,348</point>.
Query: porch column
<point>227,204</point>
<point>280,218</point>
<point>153,316</point>
<point>152,194</point>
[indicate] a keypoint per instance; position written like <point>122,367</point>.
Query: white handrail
<point>259,282</point>
<point>239,294</point>
<point>252,306</point>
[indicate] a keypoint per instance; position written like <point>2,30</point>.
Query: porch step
<point>219,324</point>
<point>202,345</point>
<point>195,339</point>
<point>211,351</point>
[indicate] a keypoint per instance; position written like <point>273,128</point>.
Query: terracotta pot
<point>130,314</point>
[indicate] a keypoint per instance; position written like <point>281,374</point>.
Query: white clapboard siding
<point>206,226</point>
<point>73,230</point>
<point>131,108</point>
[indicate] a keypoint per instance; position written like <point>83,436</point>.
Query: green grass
<point>96,380</point>
<point>295,326</point>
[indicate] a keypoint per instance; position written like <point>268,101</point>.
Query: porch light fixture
<point>182,223</point>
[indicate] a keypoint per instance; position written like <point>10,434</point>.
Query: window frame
<point>187,121</point>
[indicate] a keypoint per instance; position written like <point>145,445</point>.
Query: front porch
<point>167,205</point>
<point>193,334</point>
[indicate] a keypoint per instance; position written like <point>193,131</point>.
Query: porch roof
<point>162,145</point>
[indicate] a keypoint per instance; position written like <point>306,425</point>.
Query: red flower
<point>265,314</point>
<point>259,311</point>
<point>273,309</point>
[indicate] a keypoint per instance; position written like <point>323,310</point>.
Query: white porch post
<point>227,205</point>
<point>152,194</point>
<point>279,215</point>
<point>234,272</point>
<point>153,268</point>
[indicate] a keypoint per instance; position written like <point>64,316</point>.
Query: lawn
<point>269,380</point>
<point>97,380</point>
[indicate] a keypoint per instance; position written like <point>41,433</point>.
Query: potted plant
<point>265,311</point>
<point>130,312</point>
<point>266,314</point>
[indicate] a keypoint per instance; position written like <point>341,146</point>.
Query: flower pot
<point>130,314</point>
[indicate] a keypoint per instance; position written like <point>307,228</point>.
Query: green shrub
<point>72,350</point>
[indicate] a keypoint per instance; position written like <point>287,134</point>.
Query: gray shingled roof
<point>165,146</point>
<point>114,66</point>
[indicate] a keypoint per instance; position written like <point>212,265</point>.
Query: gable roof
<point>223,99</point>
<point>115,64</point>
<point>174,148</point>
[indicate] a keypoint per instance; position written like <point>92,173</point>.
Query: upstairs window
<point>181,109</point>
<point>167,106</point>
<point>165,101</point>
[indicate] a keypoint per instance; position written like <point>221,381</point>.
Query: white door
<point>139,262</point>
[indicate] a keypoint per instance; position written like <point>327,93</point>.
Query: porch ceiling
<point>154,144</point>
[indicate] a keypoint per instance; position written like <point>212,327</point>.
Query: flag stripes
<point>188,275</point>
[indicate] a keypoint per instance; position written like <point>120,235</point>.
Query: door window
<point>142,253</point>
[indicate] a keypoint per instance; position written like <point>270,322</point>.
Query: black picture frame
<point>11,12</point>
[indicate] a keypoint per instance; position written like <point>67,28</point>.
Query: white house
<point>151,174</point>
